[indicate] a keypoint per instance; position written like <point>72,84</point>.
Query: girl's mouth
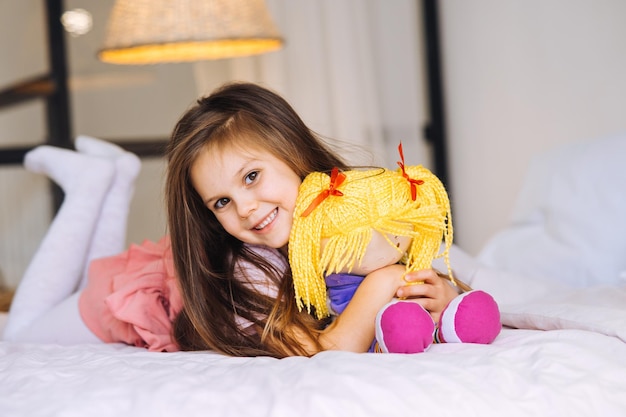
<point>267,220</point>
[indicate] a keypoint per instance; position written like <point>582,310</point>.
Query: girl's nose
<point>246,207</point>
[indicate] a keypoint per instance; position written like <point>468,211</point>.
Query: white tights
<point>98,182</point>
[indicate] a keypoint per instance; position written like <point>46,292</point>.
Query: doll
<point>348,224</point>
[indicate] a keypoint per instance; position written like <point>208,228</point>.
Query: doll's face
<point>379,253</point>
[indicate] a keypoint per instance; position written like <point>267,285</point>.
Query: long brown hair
<point>205,254</point>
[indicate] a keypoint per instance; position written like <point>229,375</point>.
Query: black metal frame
<point>435,131</point>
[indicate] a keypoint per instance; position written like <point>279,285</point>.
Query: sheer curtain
<point>351,68</point>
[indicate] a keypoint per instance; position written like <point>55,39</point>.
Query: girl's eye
<point>221,203</point>
<point>251,177</point>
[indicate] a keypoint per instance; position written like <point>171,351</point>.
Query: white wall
<point>523,76</point>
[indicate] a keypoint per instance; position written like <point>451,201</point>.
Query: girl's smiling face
<point>251,192</point>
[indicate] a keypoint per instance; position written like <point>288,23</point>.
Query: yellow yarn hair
<point>377,199</point>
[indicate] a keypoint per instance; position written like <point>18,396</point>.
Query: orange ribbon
<point>414,183</point>
<point>336,179</point>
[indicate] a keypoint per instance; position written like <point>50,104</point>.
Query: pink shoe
<point>472,317</point>
<point>404,327</point>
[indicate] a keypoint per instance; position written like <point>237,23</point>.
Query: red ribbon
<point>336,179</point>
<point>412,182</point>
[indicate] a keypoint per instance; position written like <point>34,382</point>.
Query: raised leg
<point>110,233</point>
<point>57,267</point>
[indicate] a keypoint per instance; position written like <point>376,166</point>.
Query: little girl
<point>235,162</point>
<point>75,290</point>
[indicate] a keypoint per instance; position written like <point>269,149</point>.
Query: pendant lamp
<point>161,31</point>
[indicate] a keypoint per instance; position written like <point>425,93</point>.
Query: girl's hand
<point>429,290</point>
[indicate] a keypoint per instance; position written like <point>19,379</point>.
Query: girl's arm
<point>354,329</point>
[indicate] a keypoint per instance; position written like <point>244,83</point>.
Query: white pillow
<point>506,288</point>
<point>600,309</point>
<point>569,222</point>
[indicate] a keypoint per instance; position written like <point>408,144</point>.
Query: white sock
<point>110,233</point>
<point>97,147</point>
<point>57,266</point>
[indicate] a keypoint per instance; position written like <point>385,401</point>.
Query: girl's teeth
<point>266,221</point>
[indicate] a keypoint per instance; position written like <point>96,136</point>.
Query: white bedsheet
<point>578,369</point>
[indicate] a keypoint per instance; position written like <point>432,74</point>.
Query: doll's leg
<point>472,317</point>
<point>110,233</point>
<point>404,327</point>
<point>56,268</point>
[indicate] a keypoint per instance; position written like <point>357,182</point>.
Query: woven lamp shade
<point>159,31</point>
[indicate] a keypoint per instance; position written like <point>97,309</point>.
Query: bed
<point>558,277</point>
<point>567,372</point>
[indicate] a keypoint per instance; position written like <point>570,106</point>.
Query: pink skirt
<point>133,297</point>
